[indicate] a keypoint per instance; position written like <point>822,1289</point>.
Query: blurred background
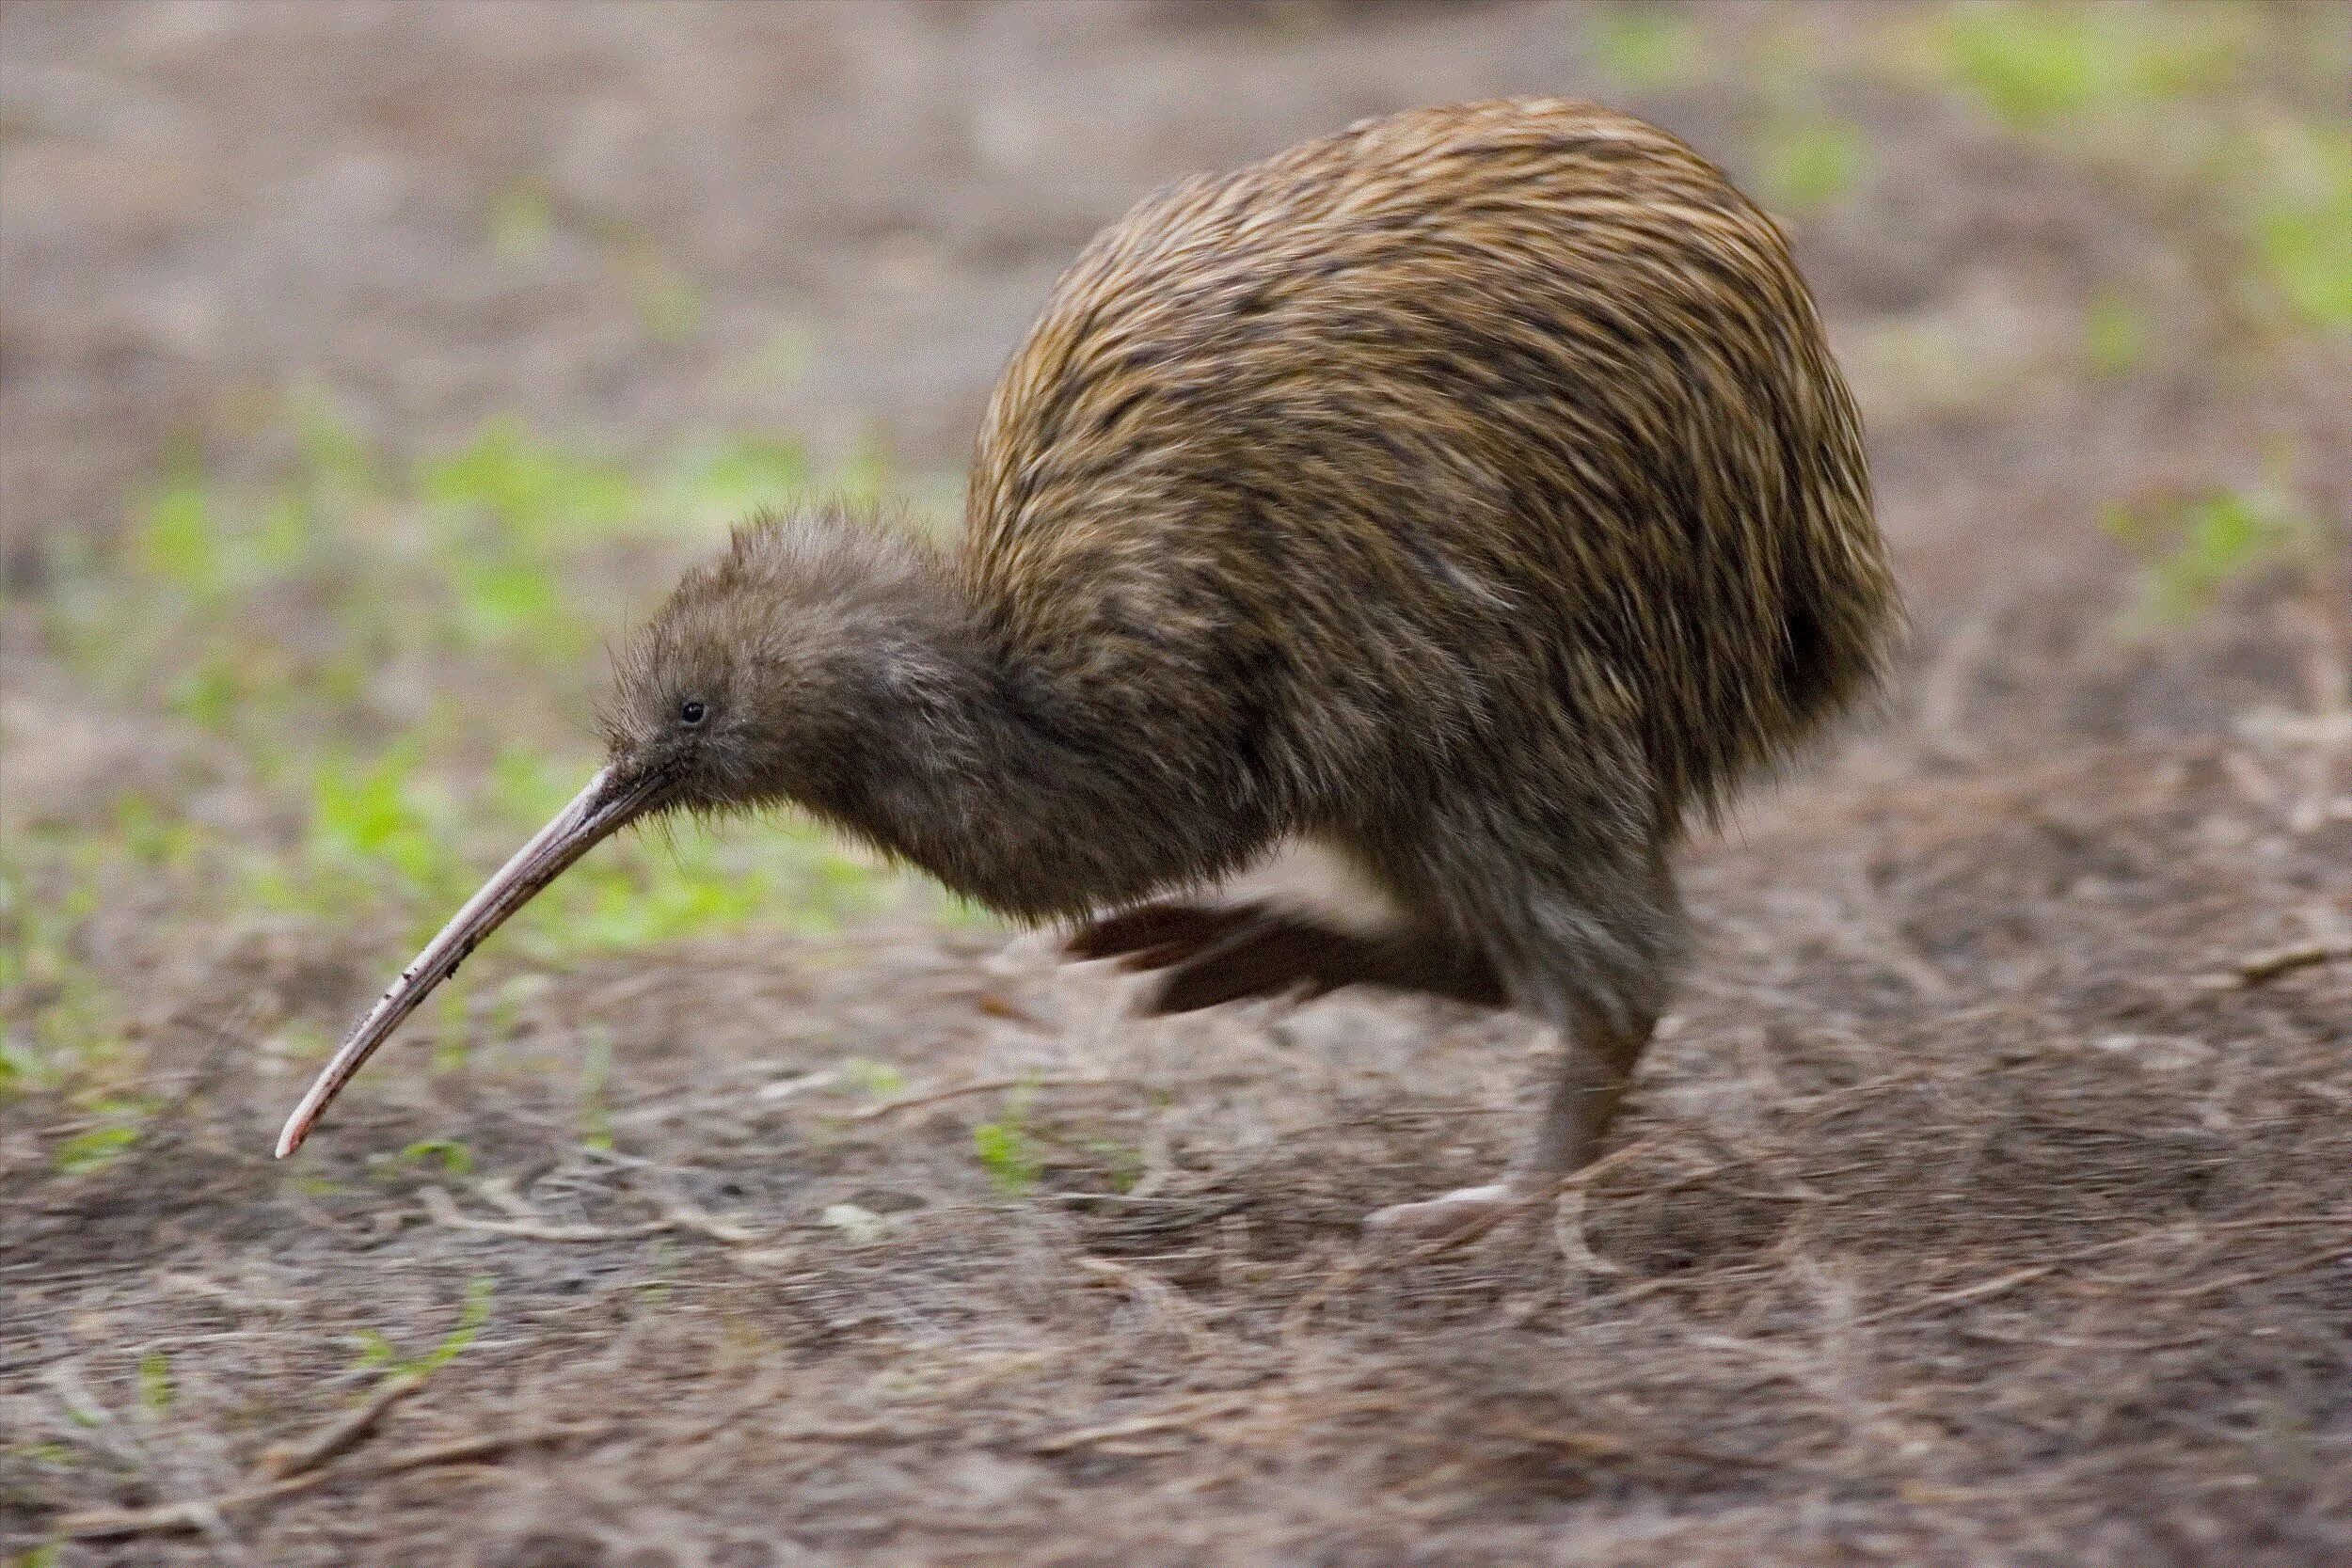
<point>366,368</point>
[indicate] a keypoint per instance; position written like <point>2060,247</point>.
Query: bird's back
<point>1409,442</point>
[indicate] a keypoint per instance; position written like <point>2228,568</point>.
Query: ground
<point>1987,1199</point>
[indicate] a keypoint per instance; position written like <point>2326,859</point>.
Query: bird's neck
<point>974,769</point>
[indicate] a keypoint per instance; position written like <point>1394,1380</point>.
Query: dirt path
<point>1987,1201</point>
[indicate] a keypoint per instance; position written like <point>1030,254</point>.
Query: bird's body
<point>1472,492</point>
<point>1367,463</point>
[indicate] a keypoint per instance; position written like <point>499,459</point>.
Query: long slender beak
<point>608,803</point>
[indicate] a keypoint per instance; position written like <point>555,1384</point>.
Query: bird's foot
<point>1458,1217</point>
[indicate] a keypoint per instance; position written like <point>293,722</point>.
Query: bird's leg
<point>1214,954</point>
<point>1591,945</point>
<point>1600,1049</point>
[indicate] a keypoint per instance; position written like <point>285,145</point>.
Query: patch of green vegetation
<point>736,477</point>
<point>378,1351</point>
<point>56,1456</point>
<point>1007,1151</point>
<point>2115,334</point>
<point>534,489</point>
<point>55,1014</point>
<point>2140,94</point>
<point>595,1082</point>
<point>1809,162</point>
<point>373,829</point>
<point>388,829</point>
<point>178,538</point>
<point>453,1010</point>
<point>294,613</point>
<point>875,1080</point>
<point>507,516</point>
<point>1643,46</point>
<point>961,913</point>
<point>1122,1164</point>
<point>384,814</point>
<point>154,1384</point>
<point>152,836</point>
<point>477,549</point>
<point>20,1069</point>
<point>618,905</point>
<point>865,476</point>
<point>43,1556</point>
<point>94,1150</point>
<point>187,537</point>
<point>2301,223</point>
<point>207,695</point>
<point>452,1154</point>
<point>2041,64</point>
<point>2195,546</point>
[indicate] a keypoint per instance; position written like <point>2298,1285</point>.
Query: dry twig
<point>1183,1415</point>
<point>444,1210</point>
<point>168,1518</point>
<point>679,1216</point>
<point>2261,968</point>
<point>291,1459</point>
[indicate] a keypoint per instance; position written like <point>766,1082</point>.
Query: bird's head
<point>773,669</point>
<point>768,676</point>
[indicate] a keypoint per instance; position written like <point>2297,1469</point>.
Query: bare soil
<point>1987,1199</point>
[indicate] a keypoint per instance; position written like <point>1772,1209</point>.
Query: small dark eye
<point>691,712</point>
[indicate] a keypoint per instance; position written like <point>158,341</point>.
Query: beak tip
<point>289,1140</point>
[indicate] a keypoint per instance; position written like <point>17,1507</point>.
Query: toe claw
<point>1453,1220</point>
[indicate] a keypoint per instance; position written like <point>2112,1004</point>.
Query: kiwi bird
<point>1470,493</point>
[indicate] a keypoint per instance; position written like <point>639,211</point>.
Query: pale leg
<point>1597,1059</point>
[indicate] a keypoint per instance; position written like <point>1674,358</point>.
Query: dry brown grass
<point>1988,1202</point>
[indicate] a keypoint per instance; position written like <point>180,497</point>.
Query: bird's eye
<point>691,712</point>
